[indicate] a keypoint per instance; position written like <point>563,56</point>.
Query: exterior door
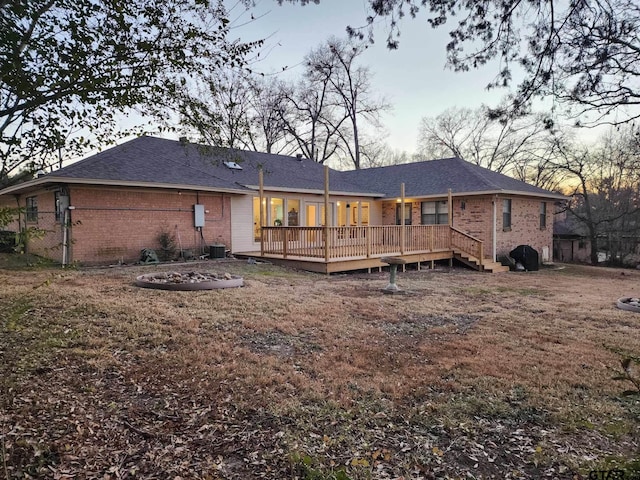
<point>315,214</point>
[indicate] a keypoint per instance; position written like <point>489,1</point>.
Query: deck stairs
<point>471,261</point>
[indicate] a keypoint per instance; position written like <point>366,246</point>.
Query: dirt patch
<point>279,343</point>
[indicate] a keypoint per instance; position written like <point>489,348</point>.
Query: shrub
<point>167,241</point>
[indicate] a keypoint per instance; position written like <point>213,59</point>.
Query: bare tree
<point>336,62</point>
<point>320,116</point>
<point>310,118</point>
<point>268,132</point>
<point>584,53</point>
<point>605,186</point>
<point>219,114</point>
<point>519,147</point>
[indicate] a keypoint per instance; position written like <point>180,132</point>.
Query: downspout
<point>495,226</point>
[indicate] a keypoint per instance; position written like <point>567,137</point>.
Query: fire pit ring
<point>631,304</point>
<point>185,281</point>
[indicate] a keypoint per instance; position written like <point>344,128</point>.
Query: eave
<point>550,195</point>
<point>53,180</point>
<point>314,191</point>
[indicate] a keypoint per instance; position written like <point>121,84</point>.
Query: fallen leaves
<point>287,378</point>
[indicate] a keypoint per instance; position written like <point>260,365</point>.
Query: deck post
<point>260,206</point>
<point>325,231</point>
<point>481,259</point>
<point>402,220</point>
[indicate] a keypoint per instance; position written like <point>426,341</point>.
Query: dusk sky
<point>413,79</point>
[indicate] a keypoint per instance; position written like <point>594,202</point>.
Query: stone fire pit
<point>631,304</point>
<point>188,281</point>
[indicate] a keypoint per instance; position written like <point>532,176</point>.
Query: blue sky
<point>413,79</point>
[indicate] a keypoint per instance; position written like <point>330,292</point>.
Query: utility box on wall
<point>198,216</point>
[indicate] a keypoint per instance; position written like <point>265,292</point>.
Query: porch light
<point>338,203</point>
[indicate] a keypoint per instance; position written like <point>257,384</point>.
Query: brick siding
<point>110,225</point>
<point>476,219</point>
<point>114,224</point>
<point>48,243</point>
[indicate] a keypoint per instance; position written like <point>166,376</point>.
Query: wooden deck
<point>338,249</point>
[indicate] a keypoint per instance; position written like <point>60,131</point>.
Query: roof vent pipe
<point>299,156</point>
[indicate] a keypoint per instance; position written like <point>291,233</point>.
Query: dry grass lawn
<point>304,376</point>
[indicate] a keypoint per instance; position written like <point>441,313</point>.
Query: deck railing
<point>365,242</point>
<point>466,243</point>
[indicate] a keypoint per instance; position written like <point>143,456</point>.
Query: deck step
<point>494,267</point>
<point>487,265</point>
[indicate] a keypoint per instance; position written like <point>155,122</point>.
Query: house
<point>109,206</point>
<point>570,244</point>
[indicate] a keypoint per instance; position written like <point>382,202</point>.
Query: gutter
<point>316,192</point>
<point>550,195</point>
<point>40,182</point>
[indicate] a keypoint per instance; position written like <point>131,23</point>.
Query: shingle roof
<point>567,229</point>
<point>157,160</point>
<point>436,177</point>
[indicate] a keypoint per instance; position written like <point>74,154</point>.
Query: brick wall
<point>47,241</point>
<point>115,224</point>
<point>474,215</point>
<point>525,227</point>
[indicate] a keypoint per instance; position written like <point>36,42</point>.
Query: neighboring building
<point>569,244</point>
<point>109,206</point>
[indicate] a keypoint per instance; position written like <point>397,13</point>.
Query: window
<point>364,213</point>
<point>293,213</point>
<point>506,214</point>
<point>342,214</point>
<point>276,213</point>
<point>543,215</point>
<point>435,213</point>
<point>32,209</point>
<point>257,230</point>
<point>360,213</point>
<point>407,213</point>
